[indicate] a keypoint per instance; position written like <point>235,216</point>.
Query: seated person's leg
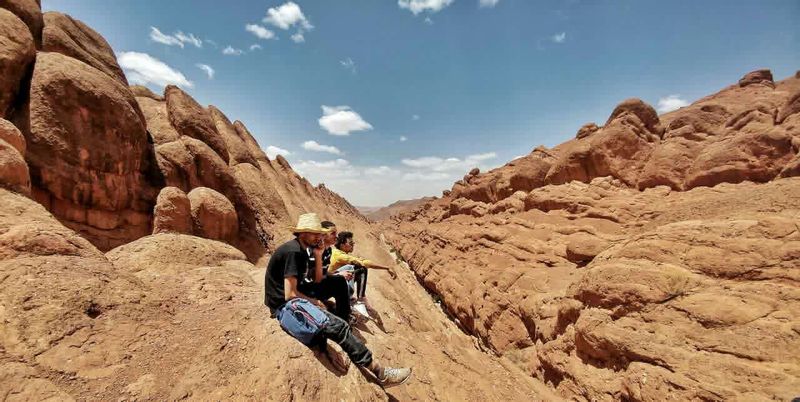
<point>361,280</point>
<point>338,331</point>
<point>336,286</point>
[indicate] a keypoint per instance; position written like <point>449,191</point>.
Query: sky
<point>385,100</point>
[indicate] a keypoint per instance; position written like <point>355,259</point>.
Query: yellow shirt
<point>339,259</point>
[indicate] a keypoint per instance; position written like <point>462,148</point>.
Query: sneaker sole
<point>399,383</point>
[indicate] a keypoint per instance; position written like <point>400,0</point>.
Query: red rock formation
<point>16,55</point>
<point>191,120</point>
<point>88,151</point>
<point>70,37</point>
<point>30,12</point>
<point>620,287</point>
<point>173,212</point>
<point>213,215</point>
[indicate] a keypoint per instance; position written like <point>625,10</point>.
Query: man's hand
<point>317,251</point>
<point>320,304</point>
<point>346,274</point>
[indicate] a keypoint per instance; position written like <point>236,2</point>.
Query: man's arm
<point>373,265</point>
<point>317,263</point>
<point>290,292</point>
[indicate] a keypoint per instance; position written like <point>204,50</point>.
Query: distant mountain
<point>380,213</point>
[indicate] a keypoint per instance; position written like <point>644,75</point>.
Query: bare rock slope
<point>654,257</point>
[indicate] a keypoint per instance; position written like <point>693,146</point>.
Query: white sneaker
<point>361,309</point>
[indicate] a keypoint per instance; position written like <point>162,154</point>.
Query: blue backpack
<point>302,320</point>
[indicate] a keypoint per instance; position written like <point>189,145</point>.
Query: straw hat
<point>309,223</point>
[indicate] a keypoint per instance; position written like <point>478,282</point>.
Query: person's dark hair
<point>328,224</point>
<point>342,238</point>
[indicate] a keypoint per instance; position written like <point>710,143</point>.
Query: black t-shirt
<point>290,259</point>
<point>326,261</point>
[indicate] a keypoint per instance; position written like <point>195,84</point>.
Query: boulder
<point>250,141</point>
<point>14,173</point>
<point>619,149</point>
<point>158,125</point>
<point>213,215</point>
<point>192,120</point>
<point>68,36</point>
<point>645,114</point>
<point>17,52</point>
<point>586,130</point>
<point>474,172</point>
<point>283,162</point>
<point>173,212</point>
<point>758,157</point>
<point>763,77</point>
<point>10,134</point>
<point>583,247</point>
<point>792,106</point>
<point>691,129</point>
<point>30,12</point>
<point>145,92</point>
<point>88,151</point>
<point>238,151</point>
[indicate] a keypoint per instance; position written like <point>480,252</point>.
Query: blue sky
<point>416,92</point>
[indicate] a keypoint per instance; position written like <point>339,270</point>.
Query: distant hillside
<point>377,213</point>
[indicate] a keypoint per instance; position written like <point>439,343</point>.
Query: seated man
<point>320,286</point>
<point>343,262</point>
<point>286,268</point>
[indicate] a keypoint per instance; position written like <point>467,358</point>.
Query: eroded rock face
<point>10,134</point>
<point>13,169</point>
<point>659,254</point>
<point>88,151</point>
<point>213,215</point>
<point>594,285</point>
<point>70,37</point>
<point>17,52</point>
<point>173,212</point>
<point>30,12</point>
<point>238,151</point>
<point>763,77</point>
<point>192,120</point>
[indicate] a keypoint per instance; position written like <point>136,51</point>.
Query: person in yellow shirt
<point>342,262</point>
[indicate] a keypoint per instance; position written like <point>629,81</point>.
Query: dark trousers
<point>331,286</point>
<point>339,331</point>
<point>360,275</point>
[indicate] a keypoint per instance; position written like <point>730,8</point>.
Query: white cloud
<point>255,47</point>
<point>428,21</point>
<point>230,51</point>
<point>317,147</point>
<point>298,38</point>
<point>212,43</point>
<point>143,69</point>
<point>341,120</point>
<point>379,171</point>
<point>286,16</point>
<point>348,64</point>
<point>259,31</point>
<point>177,39</point>
<point>437,164</point>
<point>403,138</point>
<point>205,67</point>
<point>427,176</point>
<point>488,3</point>
<point>559,37</point>
<point>415,117</point>
<point>190,38</point>
<point>418,6</point>
<point>273,151</point>
<point>671,103</point>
